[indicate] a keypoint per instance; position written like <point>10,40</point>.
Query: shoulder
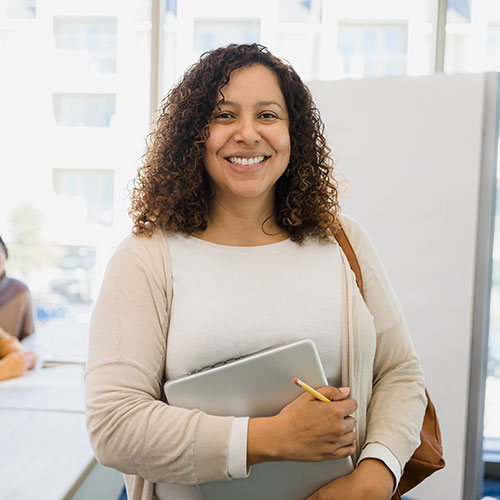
<point>17,286</point>
<point>378,292</point>
<point>143,247</point>
<point>149,253</point>
<point>355,232</point>
<point>364,249</point>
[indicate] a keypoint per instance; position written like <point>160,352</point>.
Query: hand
<point>371,480</point>
<point>29,359</point>
<point>305,430</point>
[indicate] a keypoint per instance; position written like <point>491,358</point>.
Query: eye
<point>223,115</point>
<point>268,115</point>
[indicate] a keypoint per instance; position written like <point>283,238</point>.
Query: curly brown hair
<point>172,189</point>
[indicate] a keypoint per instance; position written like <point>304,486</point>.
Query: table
<point>45,452</point>
<point>58,388</point>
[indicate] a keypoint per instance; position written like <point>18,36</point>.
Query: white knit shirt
<point>232,301</point>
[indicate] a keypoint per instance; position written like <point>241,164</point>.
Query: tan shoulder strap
<point>345,244</point>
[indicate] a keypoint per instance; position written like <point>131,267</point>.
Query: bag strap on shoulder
<point>346,247</point>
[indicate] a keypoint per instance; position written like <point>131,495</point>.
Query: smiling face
<point>248,148</point>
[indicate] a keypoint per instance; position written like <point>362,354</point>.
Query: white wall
<point>411,148</point>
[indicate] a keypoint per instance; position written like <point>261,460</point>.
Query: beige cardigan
<point>132,430</point>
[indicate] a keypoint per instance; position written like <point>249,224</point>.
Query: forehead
<point>255,83</point>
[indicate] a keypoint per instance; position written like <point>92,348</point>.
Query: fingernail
<point>345,390</point>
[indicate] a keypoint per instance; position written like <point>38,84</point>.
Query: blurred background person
<point>16,311</point>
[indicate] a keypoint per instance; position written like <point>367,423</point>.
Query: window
<point>322,40</point>
<point>18,9</point>
<point>75,80</point>
<point>84,110</point>
<point>373,50</point>
<point>71,280</point>
<point>89,43</point>
<point>212,34</point>
<point>302,50</point>
<point>171,6</point>
<point>492,54</point>
<point>93,187</point>
<point>300,11</point>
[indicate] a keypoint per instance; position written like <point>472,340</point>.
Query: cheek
<point>211,164</point>
<point>209,146</point>
<point>284,146</point>
<point>208,163</point>
<point>211,149</point>
<point>217,138</point>
<point>288,147</point>
<point>282,141</point>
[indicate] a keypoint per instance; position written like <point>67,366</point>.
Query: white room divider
<point>420,157</point>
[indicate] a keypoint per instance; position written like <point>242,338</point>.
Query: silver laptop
<point>260,385</point>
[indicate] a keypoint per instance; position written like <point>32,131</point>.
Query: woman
<point>232,252</point>
<point>16,311</point>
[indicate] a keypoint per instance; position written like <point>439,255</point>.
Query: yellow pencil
<point>315,393</point>
<point>310,390</point>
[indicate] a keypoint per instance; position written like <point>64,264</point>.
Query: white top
<point>233,301</point>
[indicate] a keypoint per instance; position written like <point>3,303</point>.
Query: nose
<point>246,131</point>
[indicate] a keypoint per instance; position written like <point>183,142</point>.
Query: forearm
<point>397,405</point>
<point>374,476</point>
<point>8,343</point>
<point>371,480</point>
<point>134,433</point>
<point>378,451</point>
<point>262,445</point>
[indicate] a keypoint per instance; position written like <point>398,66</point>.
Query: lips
<point>246,161</point>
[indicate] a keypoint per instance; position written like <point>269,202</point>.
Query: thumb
<point>342,393</point>
<point>335,393</point>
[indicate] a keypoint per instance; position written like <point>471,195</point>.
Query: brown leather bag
<point>428,457</point>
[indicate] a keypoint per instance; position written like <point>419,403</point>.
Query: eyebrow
<point>260,103</point>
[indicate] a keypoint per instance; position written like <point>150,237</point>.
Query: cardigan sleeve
<point>397,405</point>
<point>130,428</point>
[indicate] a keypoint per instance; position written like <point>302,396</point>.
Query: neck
<point>245,223</point>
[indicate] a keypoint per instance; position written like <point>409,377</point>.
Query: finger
<point>334,393</point>
<point>345,451</point>
<point>350,423</point>
<point>348,439</point>
<point>347,407</point>
<point>342,394</point>
<point>30,360</point>
<point>306,396</point>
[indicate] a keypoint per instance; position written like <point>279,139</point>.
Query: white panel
<point>410,148</point>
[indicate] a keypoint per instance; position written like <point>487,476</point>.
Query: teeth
<point>246,161</point>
